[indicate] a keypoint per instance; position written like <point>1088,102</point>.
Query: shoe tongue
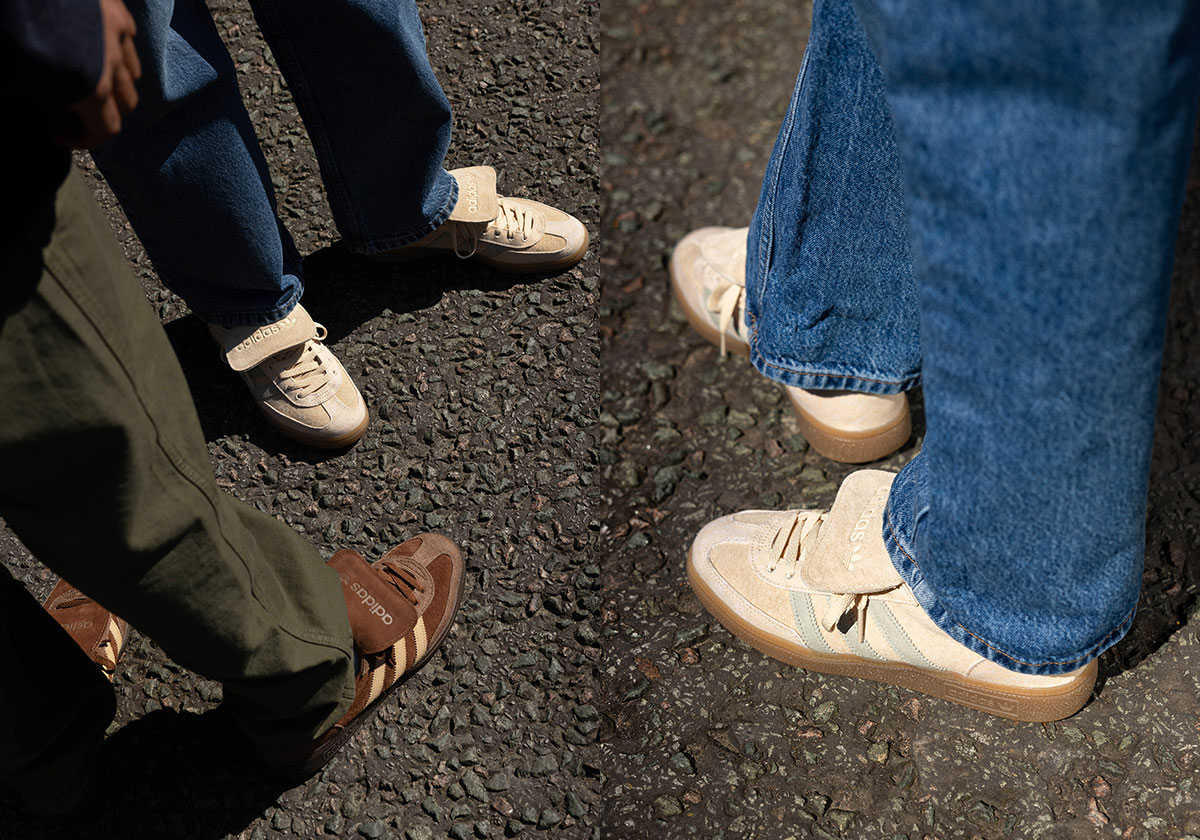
<point>849,556</point>
<point>379,615</point>
<point>726,253</point>
<point>476,195</point>
<point>246,347</point>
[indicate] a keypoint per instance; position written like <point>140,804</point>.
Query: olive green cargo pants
<point>106,479</point>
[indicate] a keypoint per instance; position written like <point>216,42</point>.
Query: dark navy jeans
<point>190,175</point>
<point>983,198</point>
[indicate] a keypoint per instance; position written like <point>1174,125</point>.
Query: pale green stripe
<point>885,619</point>
<point>806,623</point>
<point>862,649</point>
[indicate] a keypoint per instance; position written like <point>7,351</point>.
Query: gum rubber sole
<point>1021,704</point>
<point>412,254</point>
<point>316,441</point>
<point>851,448</point>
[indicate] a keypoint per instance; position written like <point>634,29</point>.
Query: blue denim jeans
<point>190,175</point>
<point>983,198</point>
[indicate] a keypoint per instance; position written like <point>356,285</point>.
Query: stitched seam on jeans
<point>173,457</point>
<point>766,236</point>
<point>988,644</point>
<point>759,356</point>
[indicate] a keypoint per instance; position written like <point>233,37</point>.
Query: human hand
<point>97,117</point>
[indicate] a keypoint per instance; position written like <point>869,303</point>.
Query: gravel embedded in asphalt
<point>483,393</point>
<point>703,736</point>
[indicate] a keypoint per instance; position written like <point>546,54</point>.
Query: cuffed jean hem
<point>823,376</point>
<point>447,185</point>
<point>902,555</point>
<point>252,319</point>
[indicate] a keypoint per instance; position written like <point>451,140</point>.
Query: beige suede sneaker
<point>708,277</point>
<point>818,590</point>
<point>851,427</point>
<point>514,235</point>
<point>296,381</point>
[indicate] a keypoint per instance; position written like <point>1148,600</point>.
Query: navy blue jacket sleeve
<point>51,52</point>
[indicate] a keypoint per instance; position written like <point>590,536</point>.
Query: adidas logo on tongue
<point>372,605</point>
<point>859,533</point>
<point>263,333</point>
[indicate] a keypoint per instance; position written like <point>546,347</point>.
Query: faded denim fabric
<point>984,197</point>
<point>190,175</point>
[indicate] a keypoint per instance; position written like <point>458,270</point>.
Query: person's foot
<point>708,277</point>
<point>296,381</point>
<point>851,427</point>
<point>58,783</point>
<point>97,631</point>
<point>514,235</point>
<point>818,590</point>
<point>401,609</point>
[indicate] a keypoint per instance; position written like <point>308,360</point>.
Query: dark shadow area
<point>342,292</point>
<point>167,775</point>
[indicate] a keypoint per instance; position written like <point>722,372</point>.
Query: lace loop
<point>726,300</point>
<point>790,546</point>
<point>308,372</point>
<point>513,220</point>
<point>406,581</point>
<point>841,604</point>
<point>791,542</point>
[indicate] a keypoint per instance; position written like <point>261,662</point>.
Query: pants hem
<point>390,243</point>
<point>902,556</point>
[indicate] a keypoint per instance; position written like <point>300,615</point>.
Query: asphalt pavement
<point>483,392</point>
<point>572,434</point>
<point>703,736</point>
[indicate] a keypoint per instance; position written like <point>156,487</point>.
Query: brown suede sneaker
<point>401,609</point>
<point>57,783</point>
<point>514,235</point>
<point>101,634</point>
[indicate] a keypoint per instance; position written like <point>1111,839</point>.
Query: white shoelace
<point>511,222</point>
<point>726,300</point>
<point>791,545</point>
<point>306,374</point>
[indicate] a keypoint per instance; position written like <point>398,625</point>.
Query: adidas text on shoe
<point>296,381</point>
<point>401,609</point>
<point>514,235</point>
<point>100,634</point>
<point>818,590</point>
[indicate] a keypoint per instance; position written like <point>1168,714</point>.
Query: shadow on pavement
<point>172,774</point>
<point>342,291</point>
